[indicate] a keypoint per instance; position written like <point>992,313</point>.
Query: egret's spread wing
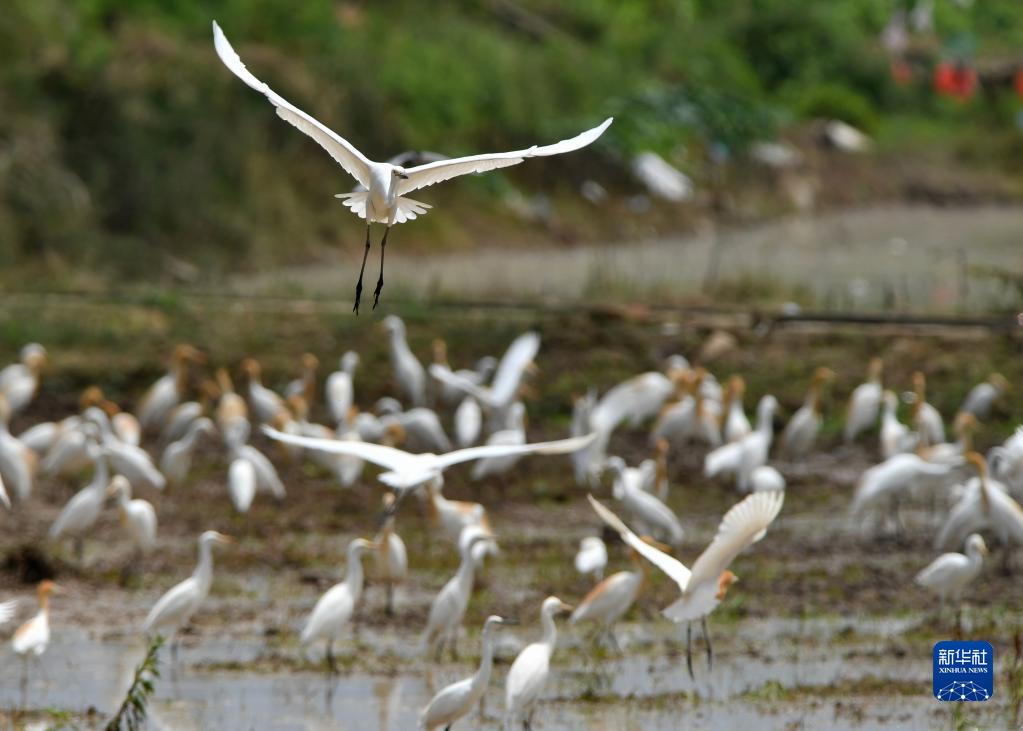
<point>514,363</point>
<point>7,611</point>
<point>379,454</point>
<point>560,446</point>
<point>445,375</point>
<point>744,524</point>
<point>674,568</point>
<point>353,161</point>
<point>436,172</point>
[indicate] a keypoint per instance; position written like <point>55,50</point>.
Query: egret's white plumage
<point>19,382</point>
<point>864,403</point>
<point>513,435</point>
<point>405,471</point>
<point>457,700</point>
<point>391,556</point>
<point>137,516</point>
<point>33,636</point>
<point>83,509</point>
<point>339,388</point>
<point>801,431</point>
<point>173,610</point>
<point>656,517</point>
<point>241,484</point>
<point>766,478</point>
<point>896,437</point>
<point>409,376</point>
<point>592,557</point>
<point>982,397</point>
<point>950,573</point>
<point>167,392</point>
<point>17,462</point>
<point>334,610</point>
<point>176,460</point>
<point>448,608</point>
<point>531,668</point>
<point>468,422</point>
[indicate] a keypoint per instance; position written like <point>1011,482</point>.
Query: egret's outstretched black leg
<point>710,650</point>
<point>331,662</point>
<point>689,650</point>
<point>380,280</point>
<point>358,287</point>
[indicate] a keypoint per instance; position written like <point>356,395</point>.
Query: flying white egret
<point>448,608</point>
<point>864,403</point>
<point>592,557</point>
<point>405,472</point>
<point>391,555</point>
<point>705,586</point>
<point>335,608</point>
<point>173,610</point>
<point>530,670</point>
<point>384,199</point>
<point>457,700</point>
<point>513,434</point>
<point>950,573</point>
<point>982,397</point>
<point>501,394</point>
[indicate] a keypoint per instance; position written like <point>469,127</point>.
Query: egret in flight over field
<point>705,585</point>
<point>384,199</point>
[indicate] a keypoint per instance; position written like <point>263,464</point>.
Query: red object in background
<point>1017,82</point>
<point>958,81</point>
<point>902,72</point>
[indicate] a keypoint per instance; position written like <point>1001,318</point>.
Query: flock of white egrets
<point>686,406</point>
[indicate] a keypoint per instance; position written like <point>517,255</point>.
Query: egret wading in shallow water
<point>32,638</point>
<point>950,573</point>
<point>457,700</point>
<point>705,586</point>
<point>528,674</point>
<point>384,199</point>
<point>173,610</point>
<point>334,610</point>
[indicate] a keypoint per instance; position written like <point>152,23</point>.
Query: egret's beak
<point>221,538</point>
<point>566,607</point>
<point>57,589</point>
<point>509,621</point>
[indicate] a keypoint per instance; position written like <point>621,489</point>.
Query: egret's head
<point>119,486</point>
<point>251,369</point>
<point>999,381</point>
<point>876,368</point>
<point>185,353</point>
<point>310,362</point>
<point>34,357</point>
<point>553,606</point>
<point>399,172</point>
<point>975,544</point>
<point>211,536</point>
<point>493,621</point>
<point>726,579</point>
<point>360,546</point>
<point>46,588</point>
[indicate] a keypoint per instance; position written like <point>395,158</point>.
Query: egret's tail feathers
<point>406,208</point>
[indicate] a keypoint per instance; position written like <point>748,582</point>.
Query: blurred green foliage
<point>125,144</point>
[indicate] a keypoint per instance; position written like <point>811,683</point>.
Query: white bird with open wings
<point>384,199</point>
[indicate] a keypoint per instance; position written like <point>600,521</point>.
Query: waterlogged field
<point>823,630</point>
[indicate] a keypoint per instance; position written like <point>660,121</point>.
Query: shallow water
<point>756,659</point>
